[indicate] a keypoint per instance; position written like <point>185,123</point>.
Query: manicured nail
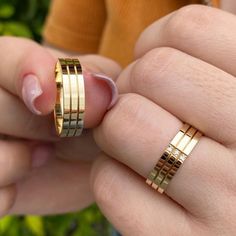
<point>111,84</point>
<point>31,90</point>
<point>41,155</point>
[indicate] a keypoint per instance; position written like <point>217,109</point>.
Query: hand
<point>37,175</point>
<point>184,72</point>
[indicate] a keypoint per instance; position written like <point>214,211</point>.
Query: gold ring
<point>173,157</point>
<point>70,102</point>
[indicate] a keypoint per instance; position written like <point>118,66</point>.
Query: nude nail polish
<point>31,90</point>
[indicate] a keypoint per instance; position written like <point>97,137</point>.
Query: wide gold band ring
<point>173,157</point>
<point>70,102</point>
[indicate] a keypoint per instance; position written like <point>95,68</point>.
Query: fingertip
<point>111,85</point>
<point>38,88</point>
<point>100,95</point>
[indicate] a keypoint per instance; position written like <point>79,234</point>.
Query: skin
<point>184,72</point>
<point>228,5</point>
<point>62,183</point>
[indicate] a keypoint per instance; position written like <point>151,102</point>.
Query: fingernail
<point>41,155</point>
<point>111,84</point>
<point>31,90</point>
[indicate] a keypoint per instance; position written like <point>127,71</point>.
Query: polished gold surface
<point>70,103</point>
<point>173,157</point>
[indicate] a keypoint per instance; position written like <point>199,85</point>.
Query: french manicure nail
<point>41,155</point>
<point>31,90</point>
<point>111,84</point>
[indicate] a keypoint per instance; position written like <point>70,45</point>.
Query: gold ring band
<point>173,157</point>
<point>70,102</point>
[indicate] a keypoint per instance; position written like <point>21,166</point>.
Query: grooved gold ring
<point>173,157</point>
<point>70,102</point>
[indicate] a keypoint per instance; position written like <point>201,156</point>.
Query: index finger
<point>26,59</point>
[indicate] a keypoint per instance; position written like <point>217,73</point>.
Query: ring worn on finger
<point>173,157</point>
<point>70,103</point>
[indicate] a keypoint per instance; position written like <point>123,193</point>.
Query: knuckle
<point>7,199</point>
<point>188,20</point>
<point>128,106</point>
<point>125,112</point>
<point>151,68</point>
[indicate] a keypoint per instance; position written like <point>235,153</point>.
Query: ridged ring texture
<point>70,102</point>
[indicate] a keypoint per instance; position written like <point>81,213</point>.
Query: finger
<point>191,89</point>
<point>100,90</point>
<point>57,187</point>
<point>100,64</point>
<point>144,132</point>
<point>124,199</point>
<point>17,158</point>
<point>30,75</point>
<point>100,94</point>
<point>16,120</point>
<point>83,148</point>
<point>196,30</point>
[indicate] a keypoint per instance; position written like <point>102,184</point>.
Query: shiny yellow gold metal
<point>70,102</point>
<point>175,154</point>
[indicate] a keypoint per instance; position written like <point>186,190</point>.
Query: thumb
<point>100,90</point>
<point>29,74</point>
